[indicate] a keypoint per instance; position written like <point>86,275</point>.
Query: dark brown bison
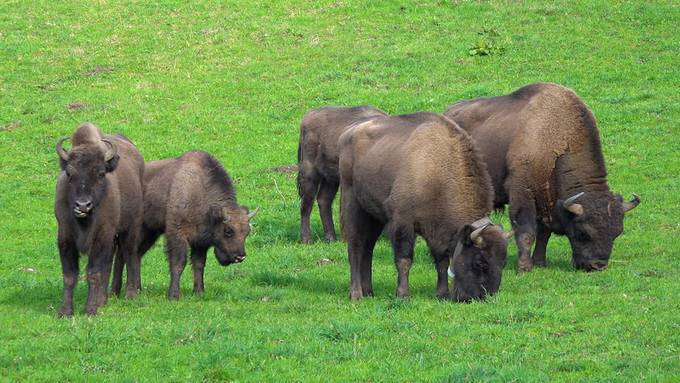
<point>419,174</point>
<point>192,200</point>
<point>318,161</point>
<point>98,206</point>
<point>542,148</point>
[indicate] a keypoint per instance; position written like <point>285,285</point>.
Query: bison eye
<point>228,232</point>
<point>101,173</point>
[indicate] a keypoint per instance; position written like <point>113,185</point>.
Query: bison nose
<point>598,265</point>
<point>83,206</point>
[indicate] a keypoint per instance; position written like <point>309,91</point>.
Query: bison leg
<point>98,272</point>
<point>308,186</point>
<point>198,257</point>
<point>441,264</point>
<point>70,268</point>
<point>362,232</point>
<point>403,240</point>
<point>129,251</point>
<point>327,192</point>
<point>523,218</point>
<point>117,278</point>
<point>542,237</point>
<point>177,257</point>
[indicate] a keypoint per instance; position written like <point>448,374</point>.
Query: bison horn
<point>253,213</point>
<point>63,154</point>
<point>575,208</point>
<point>111,152</point>
<point>632,204</point>
<point>476,236</point>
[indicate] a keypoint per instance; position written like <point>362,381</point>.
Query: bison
<point>419,174</point>
<point>542,148</point>
<point>191,199</point>
<point>98,206</point>
<point>318,161</point>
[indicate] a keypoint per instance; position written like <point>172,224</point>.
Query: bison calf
<point>542,148</point>
<point>98,207</point>
<point>419,174</point>
<point>192,200</point>
<point>318,161</point>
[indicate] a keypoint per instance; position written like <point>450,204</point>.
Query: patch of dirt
<point>76,106</point>
<point>14,125</point>
<point>286,169</point>
<point>99,69</point>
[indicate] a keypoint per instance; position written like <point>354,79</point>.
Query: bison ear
<point>112,163</point>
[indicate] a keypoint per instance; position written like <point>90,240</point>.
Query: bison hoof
<point>355,295</point>
<point>65,312</point>
<point>131,293</point>
<point>331,237</point>
<point>443,295</point>
<point>91,311</point>
<point>540,263</point>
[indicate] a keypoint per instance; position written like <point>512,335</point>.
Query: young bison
<point>419,174</point>
<point>98,207</point>
<point>542,148</point>
<point>318,161</point>
<point>192,200</point>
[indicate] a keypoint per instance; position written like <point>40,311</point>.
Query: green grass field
<point>234,78</point>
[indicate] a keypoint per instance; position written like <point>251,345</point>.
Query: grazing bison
<point>318,161</point>
<point>542,149</point>
<point>192,200</point>
<point>419,174</point>
<point>98,206</point>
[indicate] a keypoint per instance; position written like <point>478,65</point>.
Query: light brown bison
<point>419,174</point>
<point>98,207</point>
<point>192,200</point>
<point>542,148</point>
<point>318,161</point>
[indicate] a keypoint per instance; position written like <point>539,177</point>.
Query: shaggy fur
<point>418,174</point>
<point>541,146</point>
<point>192,200</point>
<point>318,161</point>
<point>98,206</point>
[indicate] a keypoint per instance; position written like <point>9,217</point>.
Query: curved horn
<point>476,236</point>
<point>574,208</point>
<point>253,213</point>
<point>632,204</point>
<point>112,150</point>
<point>63,154</point>
<point>225,215</point>
<point>571,200</point>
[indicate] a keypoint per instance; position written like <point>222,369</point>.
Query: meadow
<point>234,78</point>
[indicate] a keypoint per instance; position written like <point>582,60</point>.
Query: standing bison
<point>419,174</point>
<point>542,148</point>
<point>98,207</point>
<point>318,161</point>
<point>192,200</point>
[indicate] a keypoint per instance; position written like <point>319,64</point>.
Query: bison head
<point>477,261</point>
<point>231,226</point>
<point>592,221</point>
<point>86,166</point>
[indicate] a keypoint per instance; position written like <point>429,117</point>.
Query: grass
<point>234,78</point>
